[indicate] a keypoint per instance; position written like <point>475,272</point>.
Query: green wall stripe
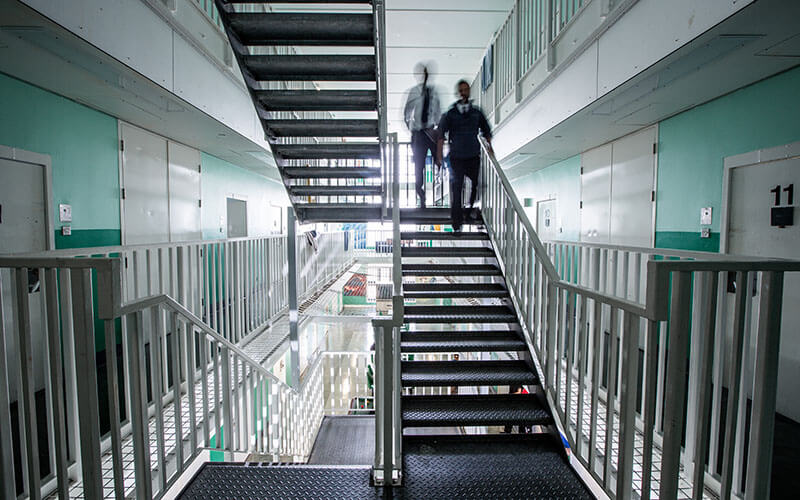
<point>86,238</point>
<point>687,240</point>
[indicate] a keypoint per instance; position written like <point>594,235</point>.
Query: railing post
<point>765,386</point>
<point>549,49</point>
<point>7,482</point>
<point>676,377</point>
<point>27,408</point>
<point>138,402</point>
<point>294,340</point>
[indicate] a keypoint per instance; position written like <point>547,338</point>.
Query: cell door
<point>237,218</point>
<point>145,199</point>
<point>24,228</point>
<point>546,225</point>
<point>754,191</point>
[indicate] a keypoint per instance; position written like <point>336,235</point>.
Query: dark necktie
<point>426,105</point>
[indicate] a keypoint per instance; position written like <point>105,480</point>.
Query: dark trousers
<point>460,168</point>
<point>421,143</point>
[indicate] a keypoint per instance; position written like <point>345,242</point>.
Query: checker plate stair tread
<point>474,341</point>
<point>454,290</point>
<point>451,270</point>
<point>503,409</point>
<point>449,252</point>
<point>443,235</point>
<point>465,373</point>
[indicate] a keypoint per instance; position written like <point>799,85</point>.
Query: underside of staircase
<point>325,141</point>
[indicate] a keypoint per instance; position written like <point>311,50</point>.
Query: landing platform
<point>513,466</point>
<point>372,213</point>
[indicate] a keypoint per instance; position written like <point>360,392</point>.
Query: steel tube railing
<point>584,308</point>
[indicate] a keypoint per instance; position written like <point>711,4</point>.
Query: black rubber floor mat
<point>345,441</point>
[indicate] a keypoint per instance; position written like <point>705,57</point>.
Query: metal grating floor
<point>512,467</point>
<point>344,441</point>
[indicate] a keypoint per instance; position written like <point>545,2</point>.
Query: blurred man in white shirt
<point>421,114</point>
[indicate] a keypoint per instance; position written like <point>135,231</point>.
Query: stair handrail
<point>565,322</point>
<point>379,37</point>
<point>243,380</point>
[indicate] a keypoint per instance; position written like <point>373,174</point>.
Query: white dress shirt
<point>412,113</point>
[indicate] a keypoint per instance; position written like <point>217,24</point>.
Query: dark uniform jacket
<point>462,131</point>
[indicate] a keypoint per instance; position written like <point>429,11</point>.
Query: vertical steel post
<point>294,339</point>
<point>676,375</point>
<point>765,386</point>
<point>7,482</point>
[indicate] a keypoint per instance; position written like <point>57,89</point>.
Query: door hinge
<point>581,170</point>
<point>200,203</point>
<point>123,193</point>
<point>126,263</point>
<point>655,147</point>
<point>581,204</point>
<point>121,145</point>
<point>652,196</point>
<point>200,169</point>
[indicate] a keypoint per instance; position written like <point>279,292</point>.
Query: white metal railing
<point>529,35</point>
<point>588,336</point>
<point>61,312</point>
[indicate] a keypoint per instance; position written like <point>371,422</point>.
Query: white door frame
<point>43,161</point>
<point>758,157</point>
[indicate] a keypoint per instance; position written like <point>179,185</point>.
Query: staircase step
<point>444,235</point>
<point>454,252</point>
<point>447,411</point>
<point>454,290</point>
<point>451,270</point>
<point>335,190</point>
<point>323,128</point>
<point>338,212</point>
<point>432,216</point>
<point>472,341</point>
<point>459,314</point>
<point>330,67</point>
<point>297,1</point>
<point>329,151</point>
<point>295,28</point>
<point>465,373</point>
<point>318,100</point>
<point>331,172</point>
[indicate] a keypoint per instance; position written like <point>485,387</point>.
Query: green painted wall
<point>694,144</point>
<point>220,180</point>
<point>83,147</point>
<point>561,181</point>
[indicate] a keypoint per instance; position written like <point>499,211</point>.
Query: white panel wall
<point>137,33</point>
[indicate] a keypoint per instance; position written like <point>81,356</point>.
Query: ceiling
<point>450,35</point>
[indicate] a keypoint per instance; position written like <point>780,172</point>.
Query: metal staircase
<point>331,166</point>
<point>441,391</point>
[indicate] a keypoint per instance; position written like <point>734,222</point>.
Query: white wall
<point>180,50</point>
